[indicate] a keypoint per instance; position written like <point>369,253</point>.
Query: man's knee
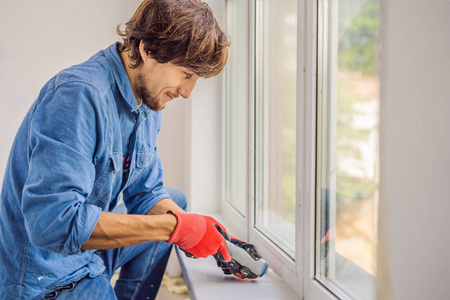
<point>178,197</point>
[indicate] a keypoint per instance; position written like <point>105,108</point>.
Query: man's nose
<point>185,89</point>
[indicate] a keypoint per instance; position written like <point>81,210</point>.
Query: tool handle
<point>258,267</point>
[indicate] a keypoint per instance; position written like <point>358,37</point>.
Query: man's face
<point>156,84</point>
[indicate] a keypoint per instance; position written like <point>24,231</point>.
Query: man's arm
<point>119,230</point>
<point>162,206</point>
<point>196,234</point>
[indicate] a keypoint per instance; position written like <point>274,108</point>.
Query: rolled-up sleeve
<point>63,135</point>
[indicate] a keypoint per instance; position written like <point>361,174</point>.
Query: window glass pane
<point>347,160</point>
<point>275,119</point>
<point>237,105</point>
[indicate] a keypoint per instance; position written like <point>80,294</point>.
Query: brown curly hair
<point>183,32</point>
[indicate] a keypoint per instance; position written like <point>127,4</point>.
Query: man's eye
<point>188,75</point>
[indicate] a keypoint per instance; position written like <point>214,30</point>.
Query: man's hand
<point>233,267</point>
<point>199,235</point>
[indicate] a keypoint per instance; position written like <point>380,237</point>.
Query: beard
<point>148,99</point>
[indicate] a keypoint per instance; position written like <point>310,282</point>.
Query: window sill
<point>206,281</point>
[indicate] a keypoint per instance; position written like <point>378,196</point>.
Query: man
<point>89,138</point>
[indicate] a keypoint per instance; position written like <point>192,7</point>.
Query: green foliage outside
<point>358,51</point>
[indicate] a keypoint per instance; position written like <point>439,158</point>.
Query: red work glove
<point>199,235</point>
<point>233,267</point>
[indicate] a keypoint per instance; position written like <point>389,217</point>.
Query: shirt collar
<point>121,76</point>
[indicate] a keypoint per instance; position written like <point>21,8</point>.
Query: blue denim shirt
<point>65,167</point>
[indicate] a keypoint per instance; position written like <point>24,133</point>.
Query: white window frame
<point>327,52</point>
<point>308,91</point>
<point>299,274</point>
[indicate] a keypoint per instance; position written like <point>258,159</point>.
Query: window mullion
<point>251,117</point>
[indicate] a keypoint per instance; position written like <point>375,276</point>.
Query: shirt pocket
<point>143,158</point>
<point>107,185</point>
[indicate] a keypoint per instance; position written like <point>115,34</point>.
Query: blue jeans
<point>142,268</point>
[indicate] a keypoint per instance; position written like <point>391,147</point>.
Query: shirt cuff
<point>145,207</point>
<point>83,225</point>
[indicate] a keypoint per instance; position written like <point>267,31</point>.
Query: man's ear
<point>144,54</point>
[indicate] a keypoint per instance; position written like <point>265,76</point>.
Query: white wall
<point>40,38</point>
<point>207,149</point>
<point>190,142</point>
<point>174,145</point>
<point>206,118</point>
<point>414,240</point>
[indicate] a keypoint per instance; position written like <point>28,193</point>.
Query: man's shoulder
<point>94,72</point>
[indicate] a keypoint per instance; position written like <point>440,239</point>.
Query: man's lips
<point>172,96</point>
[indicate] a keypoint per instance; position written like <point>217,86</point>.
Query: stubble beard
<point>142,90</point>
